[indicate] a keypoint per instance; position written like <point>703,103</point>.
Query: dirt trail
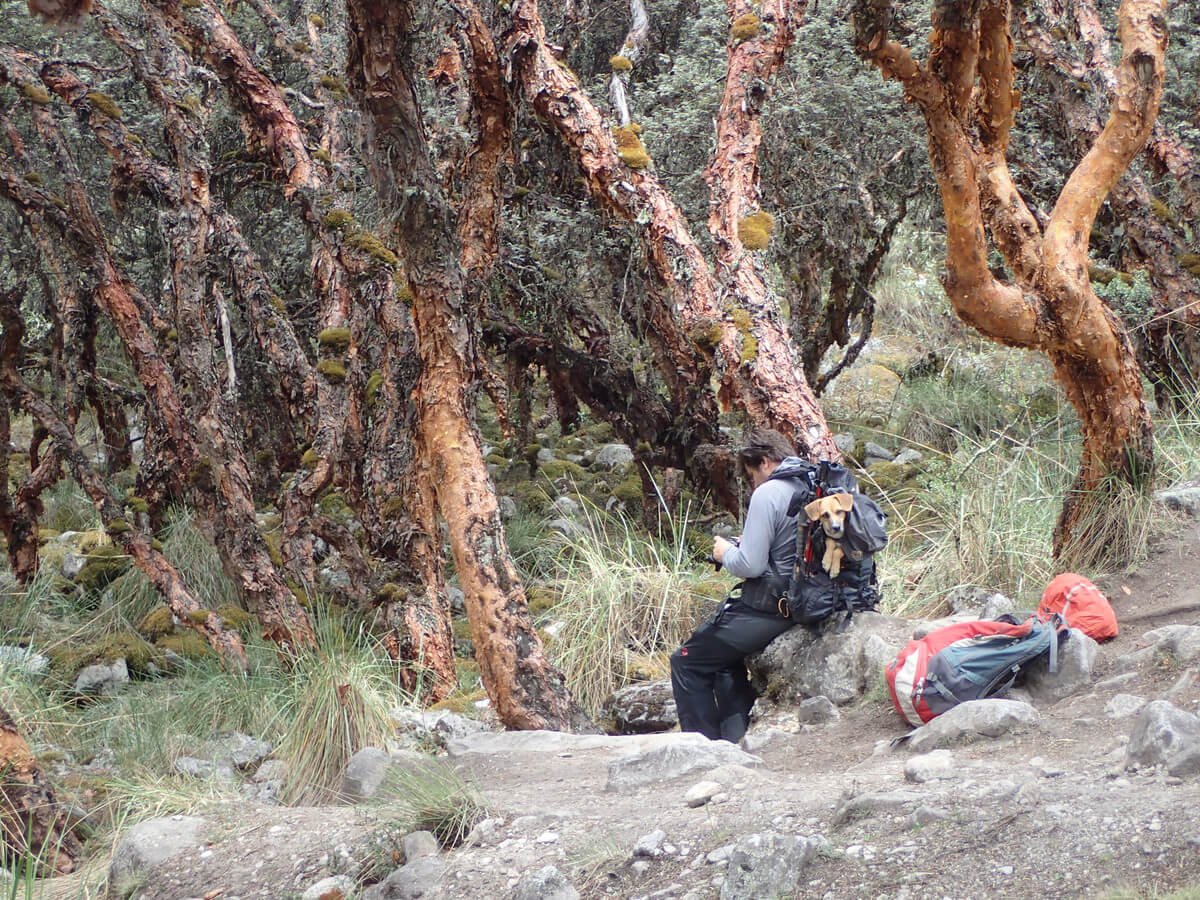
<point>1048,813</point>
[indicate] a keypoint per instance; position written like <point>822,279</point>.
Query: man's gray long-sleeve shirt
<point>768,545</point>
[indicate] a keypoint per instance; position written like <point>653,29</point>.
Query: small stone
<point>929,766</point>
<point>720,855</point>
<point>343,884</point>
<point>815,710</point>
<point>546,837</point>
<point>417,844</point>
<point>1123,705</point>
<point>927,815</point>
<point>701,793</point>
<point>640,867</point>
<point>650,844</point>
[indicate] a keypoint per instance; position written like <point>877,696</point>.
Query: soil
<point>1048,813</point>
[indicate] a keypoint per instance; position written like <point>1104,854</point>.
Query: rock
<point>612,455</point>
<point>687,752</point>
<point>416,844</point>
<point>508,507</point>
<point>568,528</point>
<point>1183,496</point>
<point>968,599</point>
<point>149,843</point>
<point>566,507</point>
<point>877,453</point>
<point>1116,681</point>
<point>368,768</point>
<point>455,596</point>
<point>845,442</point>
<point>927,815</point>
<point>755,741</point>
<point>1076,658</point>
<point>701,792</point>
<point>411,881</point>
<point>869,804</point>
<point>438,727</point>
<point>270,770</point>
<point>642,708</point>
<point>816,710</point>
<point>929,766</point>
<point>804,663</point>
<point>862,393</point>
<point>484,832</point>
<point>1130,661</point>
<point>334,578</point>
<point>326,886</point>
<point>1163,734</point>
<point>908,456</point>
<point>767,865</point>
<point>24,661</point>
<point>1123,705</point>
<point>194,768</point>
<point>546,883</point>
<point>1182,641</point>
<point>651,844</point>
<point>243,751</point>
<point>998,605</point>
<point>101,678</point>
<point>544,455</point>
<point>975,718</point>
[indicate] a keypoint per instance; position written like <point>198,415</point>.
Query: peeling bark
<point>525,689</point>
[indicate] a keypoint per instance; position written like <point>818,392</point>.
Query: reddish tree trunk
<point>525,689</point>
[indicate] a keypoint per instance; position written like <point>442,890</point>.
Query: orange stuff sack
<point>1083,606</point>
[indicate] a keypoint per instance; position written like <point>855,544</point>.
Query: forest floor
<point>1047,813</point>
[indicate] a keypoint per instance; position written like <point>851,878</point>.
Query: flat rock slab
<point>688,752</point>
<point>971,720</point>
<point>149,843</point>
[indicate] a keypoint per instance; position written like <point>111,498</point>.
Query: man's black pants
<point>708,676</point>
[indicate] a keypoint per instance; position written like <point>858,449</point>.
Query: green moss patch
<point>188,644</point>
<point>105,564</point>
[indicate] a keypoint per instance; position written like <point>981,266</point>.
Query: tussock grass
<point>627,599</point>
<point>338,700</point>
<point>436,798</point>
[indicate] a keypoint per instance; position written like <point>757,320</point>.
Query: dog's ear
<point>813,510</point>
<point>845,502</point>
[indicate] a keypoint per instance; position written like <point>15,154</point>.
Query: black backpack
<point>812,596</point>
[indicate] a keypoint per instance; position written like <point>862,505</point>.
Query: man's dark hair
<point>764,443</point>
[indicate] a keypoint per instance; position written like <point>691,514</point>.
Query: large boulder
<point>1181,641</point>
<point>1165,735</point>
<point>1076,660</point>
<point>642,708</point>
<point>149,843</point>
<point>682,753</point>
<point>974,719</point>
<point>767,865</point>
<point>804,662</point>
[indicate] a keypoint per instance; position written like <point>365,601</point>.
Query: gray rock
<point>612,455</point>
<point>1123,705</point>
<point>565,507</point>
<point>1183,496</point>
<point>755,741</point>
<point>642,708</point>
<point>270,770</point>
<point>650,844</point>
<point>701,792</point>
<point>929,766</point>
<point>411,881</point>
<point>1182,641</point>
<point>24,661</point>
<point>845,442</point>
<point>369,767</point>
<point>1183,684</point>
<point>1076,659</point>
<point>101,678</point>
<point>194,768</point>
<point>416,844</point>
<point>686,752</point>
<point>437,727</point>
<point>1162,734</point>
<point>149,843</point>
<point>877,453</point>
<point>973,600</point>
<point>508,507</point>
<point>72,563</point>
<point>334,578</point>
<point>974,719</point>
<point>568,528</point>
<point>1185,763</point>
<point>927,815</point>
<point>243,752</point>
<point>1116,681</point>
<point>1135,660</point>
<point>998,605</point>
<point>804,663</point>
<point>484,832</point>
<point>342,883</point>
<point>907,456</point>
<point>767,865</point>
<point>544,455</point>
<point>456,598</point>
<point>865,805</point>
<point>546,883</point>
<point>816,710</point>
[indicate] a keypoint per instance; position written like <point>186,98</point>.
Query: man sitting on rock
<point>708,674</point>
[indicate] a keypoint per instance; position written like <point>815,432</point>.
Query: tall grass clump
<point>436,798</point>
<point>339,699</point>
<point>626,598</point>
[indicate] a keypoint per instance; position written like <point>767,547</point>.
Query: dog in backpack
<point>831,512</point>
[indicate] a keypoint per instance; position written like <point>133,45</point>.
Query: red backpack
<point>1083,606</point>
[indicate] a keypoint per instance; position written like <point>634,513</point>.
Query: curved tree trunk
<point>525,689</point>
<point>1051,306</point>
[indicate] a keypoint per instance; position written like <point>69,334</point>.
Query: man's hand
<point>720,545</point>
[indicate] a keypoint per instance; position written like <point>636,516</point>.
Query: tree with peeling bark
<point>965,93</point>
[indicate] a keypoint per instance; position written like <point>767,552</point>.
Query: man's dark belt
<point>763,593</point>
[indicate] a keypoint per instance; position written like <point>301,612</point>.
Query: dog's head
<point>831,513</point>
